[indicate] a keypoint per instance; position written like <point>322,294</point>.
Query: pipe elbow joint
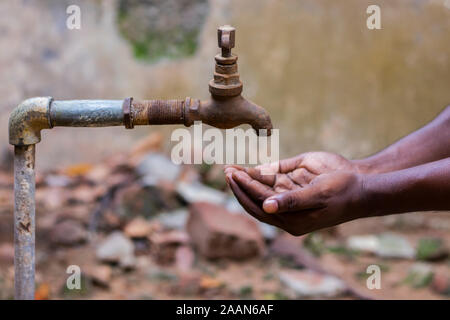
<point>28,119</point>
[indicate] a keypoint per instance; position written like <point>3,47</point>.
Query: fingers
<point>283,183</point>
<point>300,199</point>
<point>266,173</point>
<point>229,169</point>
<point>259,173</point>
<point>301,176</point>
<point>290,164</point>
<point>252,208</point>
<point>261,176</point>
<point>255,189</point>
<point>233,166</point>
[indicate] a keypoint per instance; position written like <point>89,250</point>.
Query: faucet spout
<point>225,113</point>
<point>227,108</point>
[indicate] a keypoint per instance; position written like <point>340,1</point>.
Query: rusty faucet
<point>226,109</point>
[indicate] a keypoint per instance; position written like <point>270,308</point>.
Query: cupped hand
<point>296,172</point>
<point>302,194</point>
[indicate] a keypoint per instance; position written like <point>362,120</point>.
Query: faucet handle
<point>226,82</point>
<point>226,39</point>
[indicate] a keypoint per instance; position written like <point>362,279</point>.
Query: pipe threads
<point>158,112</point>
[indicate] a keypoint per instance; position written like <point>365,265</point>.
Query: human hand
<point>306,193</point>
<point>298,171</point>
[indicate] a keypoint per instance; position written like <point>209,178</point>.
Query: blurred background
<point>111,201</point>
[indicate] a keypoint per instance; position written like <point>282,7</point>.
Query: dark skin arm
<point>315,190</point>
<point>336,197</point>
<point>429,143</point>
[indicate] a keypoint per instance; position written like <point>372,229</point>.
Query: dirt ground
<point>76,196</point>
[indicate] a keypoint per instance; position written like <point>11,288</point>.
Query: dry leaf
<point>42,292</point>
<point>78,169</point>
<point>207,282</point>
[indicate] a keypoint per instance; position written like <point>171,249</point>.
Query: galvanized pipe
<point>86,113</point>
<point>24,221</point>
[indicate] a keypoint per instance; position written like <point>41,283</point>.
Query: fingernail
<point>270,206</point>
<point>228,177</point>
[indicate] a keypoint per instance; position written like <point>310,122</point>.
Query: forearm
<point>429,143</point>
<point>421,188</point>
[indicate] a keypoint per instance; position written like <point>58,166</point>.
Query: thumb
<point>300,199</point>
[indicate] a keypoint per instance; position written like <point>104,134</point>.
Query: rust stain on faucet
<point>226,108</point>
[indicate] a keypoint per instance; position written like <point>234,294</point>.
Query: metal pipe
<point>86,113</point>
<point>226,109</point>
<point>24,221</point>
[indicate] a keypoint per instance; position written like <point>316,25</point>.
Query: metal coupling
<point>127,113</point>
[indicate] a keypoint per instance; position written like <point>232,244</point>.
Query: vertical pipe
<point>24,221</point>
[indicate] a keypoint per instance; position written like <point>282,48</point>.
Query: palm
<point>297,172</point>
<point>325,162</point>
<point>319,173</point>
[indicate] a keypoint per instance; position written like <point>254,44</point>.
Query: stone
<point>156,167</point>
<point>86,193</point>
<point>218,233</point>
<point>232,205</point>
<point>138,228</point>
<point>137,201</point>
<point>174,219</point>
<point>165,244</point>
<point>383,245</point>
<point>53,180</point>
<point>441,283</point>
<point>365,243</point>
<point>68,233</point>
<point>291,247</point>
<point>394,246</point>
<point>310,284</point>
<point>184,259</point>
<point>268,231</point>
<point>100,275</point>
<point>117,248</point>
<point>197,192</point>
